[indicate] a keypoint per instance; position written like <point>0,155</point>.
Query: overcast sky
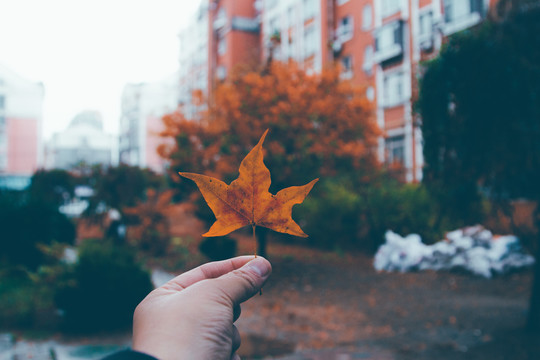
<point>85,51</point>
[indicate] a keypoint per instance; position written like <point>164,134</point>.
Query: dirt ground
<point>316,300</point>
<point>323,305</point>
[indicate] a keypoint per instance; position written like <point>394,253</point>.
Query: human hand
<point>192,316</point>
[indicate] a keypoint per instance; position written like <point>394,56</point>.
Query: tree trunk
<point>262,233</point>
<point>533,322</point>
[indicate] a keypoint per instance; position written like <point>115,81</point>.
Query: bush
<point>25,226</point>
<point>404,209</point>
<point>17,297</point>
<point>338,215</point>
<point>331,215</point>
<point>103,289</point>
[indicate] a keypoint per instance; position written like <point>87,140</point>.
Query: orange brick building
<point>379,43</point>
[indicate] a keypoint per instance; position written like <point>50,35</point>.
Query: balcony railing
<point>388,41</point>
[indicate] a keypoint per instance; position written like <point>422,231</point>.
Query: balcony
<point>221,19</point>
<point>345,29</point>
<point>461,14</point>
<point>245,24</point>
<point>388,42</point>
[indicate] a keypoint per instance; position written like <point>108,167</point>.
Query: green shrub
<point>331,215</point>
<point>103,289</point>
<point>338,215</point>
<point>25,302</point>
<point>404,209</point>
<point>26,226</point>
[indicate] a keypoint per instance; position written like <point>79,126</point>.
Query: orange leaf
<point>247,201</point>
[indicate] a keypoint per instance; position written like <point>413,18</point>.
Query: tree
<point>120,186</point>
<point>31,218</point>
<point>319,127</point>
<point>51,187</point>
<point>480,110</point>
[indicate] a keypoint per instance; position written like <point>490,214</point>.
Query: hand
<point>192,316</point>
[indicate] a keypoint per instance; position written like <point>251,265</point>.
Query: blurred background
<point>420,117</point>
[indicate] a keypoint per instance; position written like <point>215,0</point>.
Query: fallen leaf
<point>247,201</point>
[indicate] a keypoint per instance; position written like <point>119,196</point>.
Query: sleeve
<point>129,355</point>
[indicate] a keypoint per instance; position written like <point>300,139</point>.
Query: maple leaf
<point>247,201</point>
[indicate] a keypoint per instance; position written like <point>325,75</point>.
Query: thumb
<point>241,284</point>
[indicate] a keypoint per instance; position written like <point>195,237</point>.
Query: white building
<point>84,141</point>
<point>143,106</point>
<point>193,60</point>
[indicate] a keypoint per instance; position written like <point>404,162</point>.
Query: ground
<point>320,305</point>
<point>316,300</point>
<point>327,305</point>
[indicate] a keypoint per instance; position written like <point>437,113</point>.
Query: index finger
<point>206,271</point>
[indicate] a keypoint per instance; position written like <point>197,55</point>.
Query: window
<point>222,46</point>
<point>290,16</point>
<point>273,26</point>
<point>310,40</point>
<point>370,93</point>
<point>346,66</point>
<point>2,102</point>
<point>425,29</point>
<point>221,72</point>
<point>3,161</point>
<point>393,89</point>
<point>454,10</point>
<point>366,17</point>
<point>390,7</point>
<point>270,3</point>
<point>221,18</point>
<point>388,41</point>
<point>345,28</point>
<point>425,24</point>
<point>341,2</point>
<point>368,59</point>
<point>291,45</point>
<point>310,9</point>
<point>395,149</point>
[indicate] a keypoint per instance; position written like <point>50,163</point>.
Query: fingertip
<point>260,266</point>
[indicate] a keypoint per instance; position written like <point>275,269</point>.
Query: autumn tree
<point>480,109</point>
<point>320,126</point>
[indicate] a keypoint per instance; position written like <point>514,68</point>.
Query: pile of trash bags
<point>474,249</point>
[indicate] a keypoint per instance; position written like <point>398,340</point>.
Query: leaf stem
<point>254,238</point>
<point>255,242</point>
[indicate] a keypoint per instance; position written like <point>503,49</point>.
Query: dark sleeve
<point>129,355</point>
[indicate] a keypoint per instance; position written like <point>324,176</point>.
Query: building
<point>222,34</point>
<point>193,72</point>
<point>83,142</point>
<point>379,44</point>
<point>143,106</point>
<point>21,149</point>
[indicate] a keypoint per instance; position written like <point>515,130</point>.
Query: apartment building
<point>380,45</point>
<point>21,148</point>
<point>143,106</point>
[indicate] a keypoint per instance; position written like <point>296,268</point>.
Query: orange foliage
<point>320,125</point>
<point>246,201</point>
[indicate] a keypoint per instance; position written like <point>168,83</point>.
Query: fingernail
<point>260,266</point>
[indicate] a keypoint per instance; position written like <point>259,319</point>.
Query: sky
<point>84,52</point>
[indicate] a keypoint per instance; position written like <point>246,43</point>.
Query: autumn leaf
<point>247,201</point>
